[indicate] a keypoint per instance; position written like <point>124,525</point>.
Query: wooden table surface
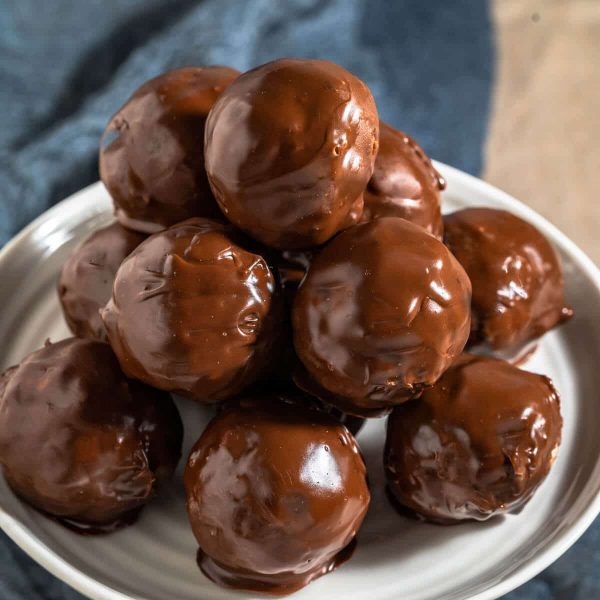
<point>543,144</point>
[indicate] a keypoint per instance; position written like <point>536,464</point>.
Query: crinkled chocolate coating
<point>476,444</point>
<point>518,286</point>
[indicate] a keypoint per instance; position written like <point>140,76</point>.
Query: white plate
<point>396,558</point>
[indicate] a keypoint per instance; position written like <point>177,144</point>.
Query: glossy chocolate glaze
<point>193,312</point>
<point>476,444</point>
<point>290,147</point>
<point>518,287</point>
<point>79,441</point>
<point>152,151</point>
<point>87,277</point>
<point>383,311</point>
<point>404,183</point>
<point>292,266</point>
<point>275,495</point>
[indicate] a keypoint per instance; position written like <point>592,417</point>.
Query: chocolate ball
<point>87,277</point>
<point>476,444</point>
<point>275,495</point>
<point>518,287</point>
<point>289,148</point>
<point>194,312</point>
<point>152,151</point>
<point>381,314</point>
<point>404,183</point>
<point>81,442</point>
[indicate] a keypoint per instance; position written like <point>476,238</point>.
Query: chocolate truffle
<point>476,444</point>
<point>289,149</point>
<point>382,312</point>
<point>152,151</point>
<point>404,183</point>
<point>86,279</point>
<point>193,312</point>
<point>275,495</point>
<point>518,287</point>
<point>79,441</point>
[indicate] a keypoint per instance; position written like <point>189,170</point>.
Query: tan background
<point>544,139</point>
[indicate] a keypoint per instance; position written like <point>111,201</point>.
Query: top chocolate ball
<point>405,183</point>
<point>289,149</point>
<point>152,153</point>
<point>518,286</point>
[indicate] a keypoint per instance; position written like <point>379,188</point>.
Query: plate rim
<point>90,587</point>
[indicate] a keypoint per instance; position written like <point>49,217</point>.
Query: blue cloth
<point>66,66</point>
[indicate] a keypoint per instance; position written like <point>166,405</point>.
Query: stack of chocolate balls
<point>281,253</point>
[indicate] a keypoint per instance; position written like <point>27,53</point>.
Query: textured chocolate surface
<point>290,147</point>
<point>383,311</point>
<point>193,312</point>
<point>518,287</point>
<point>152,151</point>
<point>404,183</point>
<point>81,442</point>
<point>275,495</point>
<point>86,279</point>
<point>476,444</point>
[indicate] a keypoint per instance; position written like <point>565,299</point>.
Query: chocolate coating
<point>152,151</point>
<point>476,444</point>
<point>87,277</point>
<point>404,183</point>
<point>290,147</point>
<point>383,311</point>
<point>275,495</point>
<point>79,441</point>
<point>292,266</point>
<point>193,312</point>
<point>518,287</point>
